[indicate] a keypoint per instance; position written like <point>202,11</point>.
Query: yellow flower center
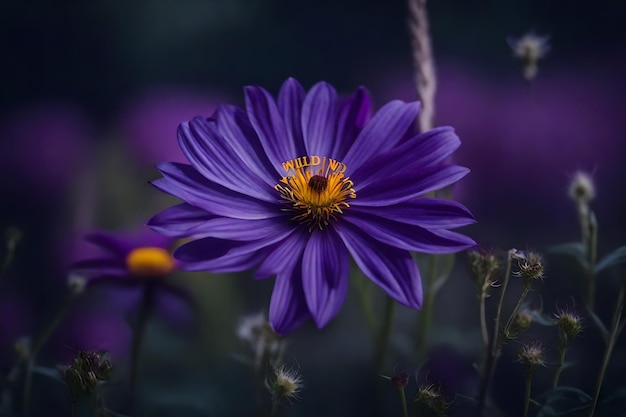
<point>150,262</point>
<point>316,191</point>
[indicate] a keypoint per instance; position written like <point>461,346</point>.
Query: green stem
<point>365,301</point>
<point>494,351</point>
<point>145,309</point>
<point>529,378</point>
<point>559,368</point>
<point>425,315</point>
<point>38,344</point>
<point>509,322</point>
<point>592,248</point>
<point>385,332</point>
<point>614,333</point>
<point>405,411</point>
<point>483,320</point>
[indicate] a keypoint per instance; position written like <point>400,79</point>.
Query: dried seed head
<point>521,322</point>
<point>581,188</point>
<point>87,369</point>
<point>569,324</point>
<point>432,396</point>
<point>530,266</point>
<point>484,267</point>
<point>531,354</point>
<point>284,384</point>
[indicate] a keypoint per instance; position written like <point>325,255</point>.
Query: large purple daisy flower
<point>294,186</point>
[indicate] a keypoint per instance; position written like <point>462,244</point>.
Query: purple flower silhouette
<point>133,262</point>
<point>293,186</point>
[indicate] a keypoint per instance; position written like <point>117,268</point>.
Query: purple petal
<point>325,269</point>
<point>269,125</point>
<point>211,155</point>
<point>422,151</point>
<point>409,237</point>
<point>319,116</point>
<point>290,99</point>
<point>186,183</point>
<point>234,126</point>
<point>182,220</point>
<point>429,213</point>
<point>115,244</point>
<point>99,267</point>
<point>394,270</point>
<point>354,113</point>
<point>288,309</point>
<point>220,255</point>
<point>383,132</point>
<point>406,186</point>
<point>283,254</point>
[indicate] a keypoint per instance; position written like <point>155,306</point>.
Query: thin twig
<point>425,77</point>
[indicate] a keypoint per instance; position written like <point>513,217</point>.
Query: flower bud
<point>581,188</point>
<point>86,370</point>
<point>569,324</point>
<point>521,322</point>
<point>531,354</point>
<point>530,266</point>
<point>431,395</point>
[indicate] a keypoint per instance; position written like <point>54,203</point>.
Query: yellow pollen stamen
<point>315,198</point>
<point>150,262</point>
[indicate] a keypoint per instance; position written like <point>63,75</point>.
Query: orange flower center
<point>150,262</point>
<point>316,191</point>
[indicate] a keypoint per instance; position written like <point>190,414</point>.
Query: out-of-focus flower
<point>149,122</point>
<point>136,260</point>
<point>529,49</point>
<point>511,137</point>
<point>581,189</point>
<point>294,186</point>
<point>264,343</point>
<point>42,147</point>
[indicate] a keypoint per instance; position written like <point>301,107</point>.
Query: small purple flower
<point>293,186</point>
<point>136,260</point>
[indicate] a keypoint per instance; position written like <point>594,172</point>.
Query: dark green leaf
<point>543,319</point>
<point>617,257</point>
<point>49,372</point>
<point>574,249</point>
<point>600,325</point>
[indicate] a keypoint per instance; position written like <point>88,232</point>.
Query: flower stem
<point>496,343</point>
<point>559,368</point>
<point>614,333</point>
<point>425,316</point>
<point>529,378</point>
<point>385,332</point>
<point>365,301</point>
<point>509,322</point>
<point>38,344</point>
<point>483,320</point>
<point>145,309</point>
<point>405,411</point>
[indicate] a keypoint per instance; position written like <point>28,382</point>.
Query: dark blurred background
<point>92,93</point>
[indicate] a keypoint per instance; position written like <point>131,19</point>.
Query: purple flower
<point>42,146</point>
<point>294,186</point>
<point>133,261</point>
<point>150,121</point>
